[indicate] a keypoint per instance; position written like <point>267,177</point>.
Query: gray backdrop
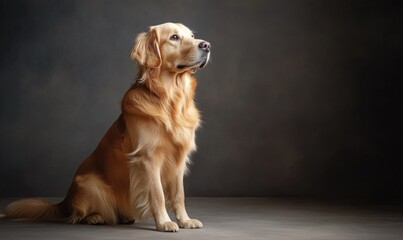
<point>300,98</point>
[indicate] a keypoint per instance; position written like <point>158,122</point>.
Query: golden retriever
<point>138,167</point>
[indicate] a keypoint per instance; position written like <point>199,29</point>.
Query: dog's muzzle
<point>204,55</point>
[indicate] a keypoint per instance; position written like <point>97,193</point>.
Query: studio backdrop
<point>300,97</point>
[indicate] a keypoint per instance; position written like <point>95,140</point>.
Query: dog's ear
<point>146,50</point>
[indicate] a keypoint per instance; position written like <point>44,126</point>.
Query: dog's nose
<point>205,46</point>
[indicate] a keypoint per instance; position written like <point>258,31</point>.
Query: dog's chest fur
<point>184,119</point>
<point>165,124</point>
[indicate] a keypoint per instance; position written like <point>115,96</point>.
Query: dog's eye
<point>174,37</point>
<point>193,36</point>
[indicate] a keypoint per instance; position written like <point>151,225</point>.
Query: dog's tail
<point>35,209</point>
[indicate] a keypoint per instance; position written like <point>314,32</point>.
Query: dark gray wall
<point>301,97</point>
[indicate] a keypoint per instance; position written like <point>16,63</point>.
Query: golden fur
<point>138,167</point>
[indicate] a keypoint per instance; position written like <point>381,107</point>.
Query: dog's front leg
<point>157,200</point>
<point>178,204</point>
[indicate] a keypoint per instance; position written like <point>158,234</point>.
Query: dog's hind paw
<point>94,219</point>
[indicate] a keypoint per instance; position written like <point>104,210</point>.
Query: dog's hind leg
<point>92,202</point>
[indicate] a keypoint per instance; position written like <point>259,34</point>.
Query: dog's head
<point>171,47</point>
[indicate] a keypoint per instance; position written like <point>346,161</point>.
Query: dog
<point>137,169</point>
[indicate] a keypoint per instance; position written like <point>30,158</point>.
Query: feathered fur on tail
<point>34,209</point>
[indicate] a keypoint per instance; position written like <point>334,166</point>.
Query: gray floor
<point>239,218</point>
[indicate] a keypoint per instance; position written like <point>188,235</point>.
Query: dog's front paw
<point>168,227</point>
<point>191,223</point>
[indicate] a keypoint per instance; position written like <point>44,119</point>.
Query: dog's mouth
<point>200,64</point>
